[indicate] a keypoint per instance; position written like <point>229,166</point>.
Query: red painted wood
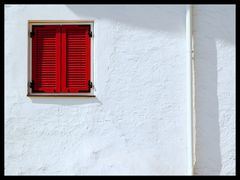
<point>75,58</point>
<point>63,63</point>
<point>58,47</point>
<point>61,58</point>
<point>46,59</point>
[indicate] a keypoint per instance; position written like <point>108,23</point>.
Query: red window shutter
<point>46,58</point>
<point>75,58</point>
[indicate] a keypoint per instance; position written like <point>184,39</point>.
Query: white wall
<point>135,125</point>
<point>214,30</point>
<point>137,122</point>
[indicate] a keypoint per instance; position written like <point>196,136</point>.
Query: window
<point>60,59</point>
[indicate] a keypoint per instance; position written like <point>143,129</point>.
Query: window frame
<point>60,22</point>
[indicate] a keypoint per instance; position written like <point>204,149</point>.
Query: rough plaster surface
<point>214,29</point>
<point>137,122</point>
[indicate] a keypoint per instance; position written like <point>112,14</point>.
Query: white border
<point>57,22</point>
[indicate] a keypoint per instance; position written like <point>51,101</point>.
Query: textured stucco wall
<point>214,30</point>
<point>137,122</point>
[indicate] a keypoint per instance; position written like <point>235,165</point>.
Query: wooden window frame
<point>59,22</point>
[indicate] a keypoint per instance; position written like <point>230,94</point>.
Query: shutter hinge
<point>31,84</point>
<point>90,84</point>
<point>90,33</point>
<point>31,34</point>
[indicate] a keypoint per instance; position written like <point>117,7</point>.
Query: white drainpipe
<point>190,93</point>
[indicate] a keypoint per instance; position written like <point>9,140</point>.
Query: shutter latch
<point>90,84</point>
<point>90,34</point>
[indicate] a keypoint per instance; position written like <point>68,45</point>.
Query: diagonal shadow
<point>132,15</point>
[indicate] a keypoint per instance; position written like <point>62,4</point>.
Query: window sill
<point>61,95</point>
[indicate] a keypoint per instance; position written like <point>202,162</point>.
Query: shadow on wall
<point>66,100</point>
<point>211,23</point>
<point>151,17</point>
